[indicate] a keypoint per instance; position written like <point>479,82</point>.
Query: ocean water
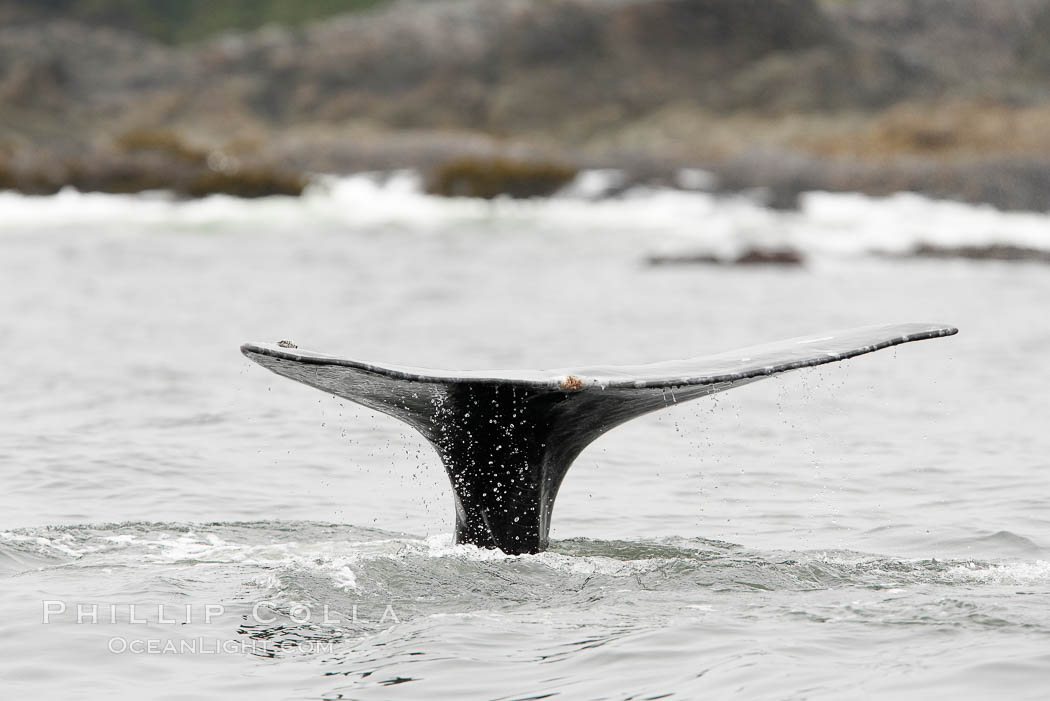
<point>178,523</point>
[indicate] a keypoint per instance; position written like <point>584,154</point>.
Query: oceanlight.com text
<point>119,645</point>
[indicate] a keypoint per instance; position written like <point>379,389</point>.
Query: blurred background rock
<point>946,97</point>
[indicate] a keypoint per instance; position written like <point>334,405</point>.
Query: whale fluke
<point>507,438</point>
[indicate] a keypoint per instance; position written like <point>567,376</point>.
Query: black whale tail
<point>507,439</point>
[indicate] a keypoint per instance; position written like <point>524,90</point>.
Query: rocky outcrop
<point>766,92</point>
<point>514,65</point>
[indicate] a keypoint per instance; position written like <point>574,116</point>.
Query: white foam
<point>845,222</point>
<point>662,219</point>
<point>1012,573</point>
<point>441,546</point>
<point>335,559</point>
<point>331,558</point>
<point>62,544</point>
<point>973,571</point>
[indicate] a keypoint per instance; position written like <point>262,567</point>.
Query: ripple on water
<point>364,560</point>
<point>400,609</point>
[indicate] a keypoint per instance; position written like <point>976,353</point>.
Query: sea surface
<point>178,523</point>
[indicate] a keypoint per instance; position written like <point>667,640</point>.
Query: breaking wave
<point>667,220</point>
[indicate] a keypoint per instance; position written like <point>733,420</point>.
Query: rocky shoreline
<point>948,99</point>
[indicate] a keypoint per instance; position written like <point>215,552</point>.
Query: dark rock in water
<point>259,181</point>
<point>492,177</point>
<point>45,180</point>
<point>995,251</point>
<point>152,159</point>
<point>781,256</point>
<point>751,256</point>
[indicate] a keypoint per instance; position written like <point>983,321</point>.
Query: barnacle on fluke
<point>572,382</point>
